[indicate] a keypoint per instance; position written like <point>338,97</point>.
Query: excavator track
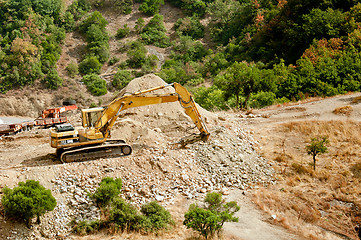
<point>110,149</point>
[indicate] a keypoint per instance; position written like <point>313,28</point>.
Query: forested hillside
<point>229,53</point>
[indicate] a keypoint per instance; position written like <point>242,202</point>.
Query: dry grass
<point>356,100</point>
<point>345,110</point>
<point>302,194</point>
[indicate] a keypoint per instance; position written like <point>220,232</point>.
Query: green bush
<point>155,32</point>
<point>95,84</point>
<point>113,61</point>
<point>189,26</point>
<point>101,51</point>
<point>150,64</point>
<point>209,220</point>
<point>52,80</point>
<point>139,25</point>
<point>95,35</point>
<point>121,79</point>
<point>72,69</point>
<point>94,18</point>
<point>136,54</point>
<point>28,200</point>
<point>122,32</point>
<point>155,218</point>
<point>90,65</point>
<point>124,215</point>
<point>151,7</point>
<point>211,98</point>
<point>86,227</point>
<point>189,50</point>
<point>108,189</point>
<point>262,99</point>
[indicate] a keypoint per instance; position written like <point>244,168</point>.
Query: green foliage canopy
<point>210,219</point>
<point>27,200</point>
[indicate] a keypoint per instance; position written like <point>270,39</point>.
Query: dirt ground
<point>239,160</point>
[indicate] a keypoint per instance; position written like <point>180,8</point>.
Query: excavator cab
<point>90,116</point>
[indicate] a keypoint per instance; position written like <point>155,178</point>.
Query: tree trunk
<point>237,99</point>
<point>38,220</point>
<point>314,162</point>
<point>243,105</point>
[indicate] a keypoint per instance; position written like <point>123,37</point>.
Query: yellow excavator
<point>91,141</point>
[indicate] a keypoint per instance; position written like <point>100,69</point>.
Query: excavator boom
<point>74,145</point>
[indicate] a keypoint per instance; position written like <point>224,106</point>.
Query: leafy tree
<point>316,147</point>
<point>108,189</point>
<point>95,35</point>
<point>240,78</point>
<point>28,200</point>
<point>209,220</point>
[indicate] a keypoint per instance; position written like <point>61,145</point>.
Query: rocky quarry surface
<point>157,169</point>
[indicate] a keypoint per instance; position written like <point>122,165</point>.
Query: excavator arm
<point>138,99</point>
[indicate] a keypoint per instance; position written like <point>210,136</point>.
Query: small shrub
<point>151,7</point>
<point>28,200</point>
<point>136,54</point>
<point>113,61</point>
<point>85,227</point>
<point>52,80</point>
<point>150,63</point>
<point>189,26</point>
<point>90,65</point>
<point>101,51</point>
<point>156,217</point>
<point>155,32</point>
<point>262,99</point>
<point>123,32</point>
<point>210,219</point>
<point>299,168</point>
<point>345,110</point>
<point>94,18</point>
<point>72,69</point>
<point>139,25</point>
<point>121,79</point>
<point>108,189</point>
<point>124,215</point>
<point>95,84</point>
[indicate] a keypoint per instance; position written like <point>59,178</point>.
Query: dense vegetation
<point>121,215</point>
<point>252,52</point>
